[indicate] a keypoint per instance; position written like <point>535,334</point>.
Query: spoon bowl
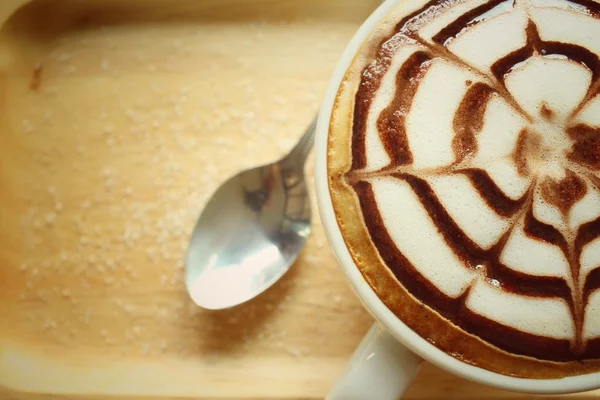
<point>250,231</point>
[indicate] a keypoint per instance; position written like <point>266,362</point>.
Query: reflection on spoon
<point>251,231</point>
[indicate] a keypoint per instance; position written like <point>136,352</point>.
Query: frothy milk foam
<point>473,165</point>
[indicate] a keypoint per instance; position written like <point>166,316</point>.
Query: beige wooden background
<point>118,120</point>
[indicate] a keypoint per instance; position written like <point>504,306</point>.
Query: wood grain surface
<point>118,120</point>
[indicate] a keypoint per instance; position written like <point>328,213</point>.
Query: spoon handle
<point>297,156</point>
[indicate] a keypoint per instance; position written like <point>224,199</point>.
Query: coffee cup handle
<point>381,368</point>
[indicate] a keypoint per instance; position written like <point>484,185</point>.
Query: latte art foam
<point>466,178</point>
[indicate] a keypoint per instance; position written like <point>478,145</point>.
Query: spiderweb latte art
<point>464,168</point>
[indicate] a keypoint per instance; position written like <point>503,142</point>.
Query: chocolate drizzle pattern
<point>536,45</point>
<point>590,5</point>
<point>492,194</point>
<point>468,120</point>
<point>580,175</point>
<point>468,19</point>
<point>586,150</point>
<point>563,193</point>
<point>391,122</point>
<point>526,144</point>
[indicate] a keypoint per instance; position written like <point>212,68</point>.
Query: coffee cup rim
<point>372,302</point>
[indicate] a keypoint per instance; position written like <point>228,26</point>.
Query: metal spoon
<point>251,231</point>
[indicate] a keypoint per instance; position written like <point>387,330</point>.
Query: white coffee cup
<point>390,355</point>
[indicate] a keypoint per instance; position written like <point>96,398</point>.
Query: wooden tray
<point>118,120</point>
